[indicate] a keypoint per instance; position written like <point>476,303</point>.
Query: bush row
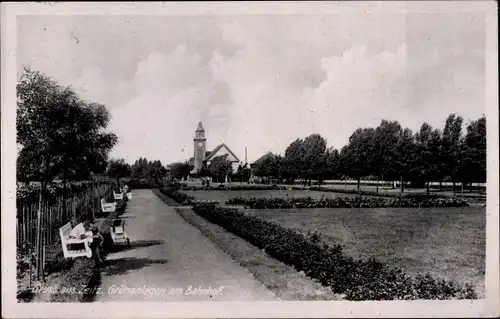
<point>177,196</point>
<point>343,202</point>
<point>355,278</point>
<point>141,183</point>
<point>242,187</point>
<point>374,193</point>
<point>31,191</point>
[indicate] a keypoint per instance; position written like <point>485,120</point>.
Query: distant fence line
<point>54,215</point>
<point>397,183</point>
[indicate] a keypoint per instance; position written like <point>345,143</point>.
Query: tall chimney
<point>246,155</point>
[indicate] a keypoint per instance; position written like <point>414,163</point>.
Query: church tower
<point>200,147</point>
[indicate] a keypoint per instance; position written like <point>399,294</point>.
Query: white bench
<point>107,207</point>
<point>118,196</point>
<point>66,242</point>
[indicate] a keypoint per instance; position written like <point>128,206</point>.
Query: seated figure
<point>85,230</point>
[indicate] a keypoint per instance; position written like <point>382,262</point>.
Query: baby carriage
<point>118,233</point>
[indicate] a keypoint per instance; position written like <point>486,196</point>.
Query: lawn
<point>222,196</point>
<point>448,243</point>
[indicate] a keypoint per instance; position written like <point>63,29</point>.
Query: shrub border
<point>357,279</point>
<point>343,202</point>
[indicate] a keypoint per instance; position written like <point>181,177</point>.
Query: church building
<point>201,155</point>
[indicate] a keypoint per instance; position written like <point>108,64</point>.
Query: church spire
<point>200,127</point>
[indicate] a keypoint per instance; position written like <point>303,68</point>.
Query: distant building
<point>202,156</point>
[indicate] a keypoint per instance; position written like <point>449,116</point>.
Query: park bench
<point>73,247</point>
<point>107,207</point>
<point>118,196</point>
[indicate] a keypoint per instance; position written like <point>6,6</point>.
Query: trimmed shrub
<point>182,198</point>
<point>344,202</point>
<point>357,279</point>
<point>142,184</point>
<point>230,187</point>
<point>373,193</point>
<point>179,197</point>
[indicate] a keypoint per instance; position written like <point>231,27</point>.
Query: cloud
<point>261,81</point>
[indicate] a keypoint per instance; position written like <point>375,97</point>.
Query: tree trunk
<point>428,188</point>
<point>470,187</point>
<point>377,186</point>
<point>454,191</point>
<point>359,183</point>
<point>441,185</point>
<point>402,184</point>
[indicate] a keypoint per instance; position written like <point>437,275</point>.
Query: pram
<point>118,233</point>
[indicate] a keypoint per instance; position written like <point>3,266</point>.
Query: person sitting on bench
<point>84,230</point>
<point>97,244</point>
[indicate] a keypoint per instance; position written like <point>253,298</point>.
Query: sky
<point>260,81</point>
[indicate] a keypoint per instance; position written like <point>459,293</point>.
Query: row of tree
<point>142,170</point>
<point>218,169</point>
<point>387,152</point>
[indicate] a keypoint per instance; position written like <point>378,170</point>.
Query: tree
<point>140,169</point>
<point>473,168</point>
<point>118,168</point>
<point>406,155</point>
<point>58,135</point>
<point>356,156</point>
<point>156,172</point>
<point>293,161</point>
<point>243,173</point>
<point>384,149</point>
<point>452,150</point>
<point>427,150</point>
<point>180,170</point>
<point>267,166</point>
<point>314,157</point>
<point>332,164</point>
<point>220,167</point>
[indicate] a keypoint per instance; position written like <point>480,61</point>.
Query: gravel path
<point>171,260</point>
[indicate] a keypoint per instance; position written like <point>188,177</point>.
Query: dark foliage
<point>344,202</point>
<point>356,279</point>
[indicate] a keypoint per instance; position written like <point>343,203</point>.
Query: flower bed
<point>372,193</point>
<point>184,186</point>
<point>356,279</point>
<point>344,202</point>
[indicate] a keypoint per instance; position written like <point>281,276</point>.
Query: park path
<point>169,260</point>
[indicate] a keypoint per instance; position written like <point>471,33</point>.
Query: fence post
<point>39,233</point>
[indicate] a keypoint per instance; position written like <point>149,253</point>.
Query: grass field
<point>448,243</point>
<point>222,196</point>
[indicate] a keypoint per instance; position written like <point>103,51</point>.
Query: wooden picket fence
<point>53,217</point>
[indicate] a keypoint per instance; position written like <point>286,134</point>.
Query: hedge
<point>374,193</point>
<point>357,279</point>
<point>141,183</point>
<point>177,196</point>
<point>31,191</point>
<point>243,187</point>
<point>344,202</point>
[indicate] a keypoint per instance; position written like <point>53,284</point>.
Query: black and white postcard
<point>250,159</point>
